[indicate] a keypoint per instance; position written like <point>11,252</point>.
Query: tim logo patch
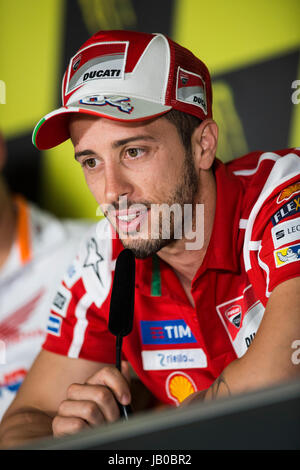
<point>191,89</point>
<point>166,332</point>
<point>287,255</point>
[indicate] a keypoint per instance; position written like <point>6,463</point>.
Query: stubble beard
<point>184,193</point>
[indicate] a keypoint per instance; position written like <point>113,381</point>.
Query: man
<point>35,250</point>
<point>217,296</point>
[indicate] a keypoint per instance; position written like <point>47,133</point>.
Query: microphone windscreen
<point>122,296</point>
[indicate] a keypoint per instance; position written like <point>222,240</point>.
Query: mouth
<point>130,222</point>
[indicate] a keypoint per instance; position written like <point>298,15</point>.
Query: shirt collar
<point>222,253</point>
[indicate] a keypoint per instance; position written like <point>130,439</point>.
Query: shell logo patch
<point>179,386</point>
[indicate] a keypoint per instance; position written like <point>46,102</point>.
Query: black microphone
<point>122,307</point>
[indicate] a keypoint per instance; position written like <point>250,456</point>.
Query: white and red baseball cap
<point>127,76</point>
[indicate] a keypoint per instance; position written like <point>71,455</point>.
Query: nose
<point>116,184</point>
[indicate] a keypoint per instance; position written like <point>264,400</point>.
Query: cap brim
<point>53,129</point>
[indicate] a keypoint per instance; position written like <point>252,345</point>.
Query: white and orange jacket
<point>43,248</point>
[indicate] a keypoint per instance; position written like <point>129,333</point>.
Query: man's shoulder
<point>95,262</point>
<point>256,163</point>
<point>264,174</point>
<point>272,186</point>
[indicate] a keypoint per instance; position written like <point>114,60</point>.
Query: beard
<point>184,193</point>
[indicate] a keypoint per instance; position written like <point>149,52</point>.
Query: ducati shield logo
<point>190,88</point>
<point>234,315</point>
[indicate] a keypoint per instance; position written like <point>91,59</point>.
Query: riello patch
<point>190,88</point>
<point>99,61</point>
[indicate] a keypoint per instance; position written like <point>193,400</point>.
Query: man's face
<point>132,169</point>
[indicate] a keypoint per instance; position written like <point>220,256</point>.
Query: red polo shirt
<point>174,348</point>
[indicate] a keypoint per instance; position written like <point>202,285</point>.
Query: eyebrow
<point>83,153</point>
<point>116,144</point>
<point>119,143</point>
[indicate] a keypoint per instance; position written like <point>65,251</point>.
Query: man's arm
<point>268,360</point>
<point>63,395</point>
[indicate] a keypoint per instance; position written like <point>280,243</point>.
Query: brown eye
<point>134,152</point>
<point>90,162</point>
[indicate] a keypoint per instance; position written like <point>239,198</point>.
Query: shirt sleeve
<point>77,325</point>
<point>275,241</point>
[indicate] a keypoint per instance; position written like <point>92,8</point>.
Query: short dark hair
<point>185,124</point>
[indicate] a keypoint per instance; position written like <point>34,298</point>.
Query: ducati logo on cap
<point>190,89</point>
<point>184,79</point>
<point>98,61</point>
<point>120,102</point>
<point>76,63</point>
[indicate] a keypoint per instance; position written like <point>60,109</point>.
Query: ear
<point>204,144</point>
<point>2,152</point>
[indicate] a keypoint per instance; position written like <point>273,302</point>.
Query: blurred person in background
<point>35,250</point>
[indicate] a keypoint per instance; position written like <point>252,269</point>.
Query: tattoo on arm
<point>219,388</point>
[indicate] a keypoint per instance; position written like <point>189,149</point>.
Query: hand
<point>93,403</point>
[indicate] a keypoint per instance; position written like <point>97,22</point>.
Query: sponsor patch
<point>61,301</point>
<point>288,209</point>
<point>99,61</point>
<point>241,317</point>
<point>120,102</point>
<point>72,275</point>
<point>287,255</point>
<point>13,380</point>
<point>190,88</point>
<point>166,332</point>
<point>286,232</point>
<point>166,359</point>
<point>234,315</point>
<point>54,324</point>
<point>179,386</point>
<point>287,193</point>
